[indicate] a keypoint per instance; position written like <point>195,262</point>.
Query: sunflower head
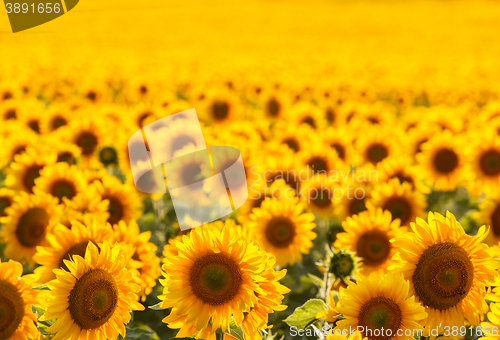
<point>448,270</point>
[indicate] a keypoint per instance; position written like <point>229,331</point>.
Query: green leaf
<point>38,310</point>
<point>137,331</point>
<point>316,280</point>
<point>157,306</point>
<point>235,330</point>
<point>305,314</point>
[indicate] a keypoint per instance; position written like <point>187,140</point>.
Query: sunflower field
<point>370,136</point>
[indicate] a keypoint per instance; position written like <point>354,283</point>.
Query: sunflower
<point>318,194</point>
<point>17,297</point>
<point>341,142</point>
<point>448,270</point>
<point>55,117</point>
<point>278,163</point>
<point>9,110</point>
<point>218,276</point>
<point>124,200</point>
<point>490,328</point>
<point>380,305</point>
<point>108,155</point>
<point>295,137</point>
<point>274,105</point>
<point>307,113</point>
<point>60,180</point>
<point>88,204</point>
<point>441,162</point>
<point>27,223</point>
<point>330,314</point>
<point>148,263</point>
<point>489,214</point>
<point>65,242</point>
<point>282,229</point>
<point>352,200</point>
<point>402,168</point>
<point>221,107</point>
<point>94,299</point>
<point>374,146</point>
<point>88,134</point>
<point>31,115</point>
<point>16,143</point>
<point>483,160</point>
<point>418,136</point>
<point>6,200</point>
<point>319,160</point>
<point>369,234</point>
<point>403,203</point>
<point>21,173</point>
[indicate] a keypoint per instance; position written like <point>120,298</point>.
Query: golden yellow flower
<point>6,200</point>
<point>400,199</point>
<point>283,229</point>
<point>380,304</point>
<point>147,263</point>
<point>448,270</point>
<point>65,242</point>
<point>218,275</point>
<point>94,299</point>
<point>60,180</point>
<point>29,219</point>
<point>369,234</point>
<point>17,320</point>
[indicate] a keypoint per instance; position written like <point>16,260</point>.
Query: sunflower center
<point>292,144</point>
<point>34,125</point>
<point>340,149</point>
<point>91,95</point>
<point>93,299</point>
<point>380,312</point>
<point>115,209</point>
<point>11,114</point>
<point>443,276</point>
<point>342,265</point>
<point>63,188</point>
<point>215,279</point>
<point>490,163</point>
<point>309,121</point>
<point>66,157</point>
<point>495,221</point>
<point>318,164</point>
<point>322,199</point>
<point>191,173</point>
<point>399,208</point>
<point>87,141</point>
<point>77,249</point>
<point>32,173</point>
<point>330,115</point>
<point>108,156</point>
<point>57,122</point>
<point>273,107</point>
<point>220,110</point>
<point>376,152</point>
<point>5,202</point>
<point>32,226</point>
<point>445,161</point>
<point>280,232</point>
<point>181,141</point>
<point>374,247</point>
<point>356,206</point>
<point>11,309</point>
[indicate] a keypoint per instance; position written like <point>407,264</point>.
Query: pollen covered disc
<point>443,276</point>
<point>215,279</point>
<point>374,247</point>
<point>380,313</point>
<point>93,299</point>
<point>280,232</point>
<point>11,309</point>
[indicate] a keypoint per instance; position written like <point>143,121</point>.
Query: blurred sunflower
<point>448,270</point>
<point>307,113</point>
<point>60,180</point>
<point>283,229</point>
<point>317,159</point>
<point>108,155</point>
<point>274,104</point>
<point>6,199</point>
<point>94,299</point>
<point>441,162</point>
<point>380,303</point>
<point>9,110</point>
<point>490,328</point>
<point>295,137</point>
<point>64,243</point>
<point>55,117</point>
<point>399,199</point>
<point>483,160</point>
<point>318,194</point>
<point>21,173</point>
<point>17,298</point>
<point>221,107</point>
<point>340,141</point>
<point>124,200</point>
<point>148,265</point>
<point>369,234</point>
<point>29,219</point>
<point>31,115</point>
<point>489,214</point>
<point>16,144</point>
<point>352,198</point>
<point>403,169</point>
<point>216,277</point>
<point>374,146</point>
